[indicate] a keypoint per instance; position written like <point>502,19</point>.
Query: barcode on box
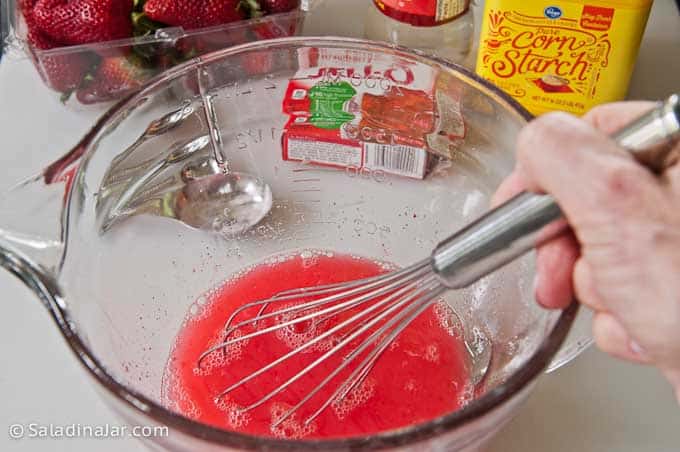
<point>397,159</point>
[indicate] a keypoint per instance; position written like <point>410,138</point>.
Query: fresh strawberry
<point>73,22</point>
<point>278,6</point>
<point>63,73</point>
<point>257,63</point>
<point>191,14</point>
<point>115,76</point>
<point>35,37</point>
<point>271,28</point>
<point>259,8</point>
<point>26,7</point>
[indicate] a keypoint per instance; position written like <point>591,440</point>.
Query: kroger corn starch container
<point>561,55</point>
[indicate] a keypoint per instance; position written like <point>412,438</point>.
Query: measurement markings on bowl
<point>308,210</point>
<point>247,87</point>
<point>256,136</point>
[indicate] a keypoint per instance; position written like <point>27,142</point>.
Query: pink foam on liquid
<point>421,376</point>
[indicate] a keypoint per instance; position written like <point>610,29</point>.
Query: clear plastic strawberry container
<point>106,71</point>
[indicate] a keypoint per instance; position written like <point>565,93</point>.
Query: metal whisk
<point>381,307</point>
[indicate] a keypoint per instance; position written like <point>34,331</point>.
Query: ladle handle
<point>519,225</point>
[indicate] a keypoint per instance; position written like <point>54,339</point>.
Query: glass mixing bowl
<point>102,237</point>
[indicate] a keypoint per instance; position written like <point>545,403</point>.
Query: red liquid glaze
<point>421,376</point>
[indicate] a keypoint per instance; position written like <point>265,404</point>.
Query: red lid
<point>423,13</point>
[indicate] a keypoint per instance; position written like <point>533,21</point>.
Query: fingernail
<point>637,348</point>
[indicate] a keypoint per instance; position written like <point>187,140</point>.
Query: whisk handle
<point>519,225</point>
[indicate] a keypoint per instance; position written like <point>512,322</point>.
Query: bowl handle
<point>31,257</point>
<point>30,222</point>
<point>31,242</point>
<point>33,214</point>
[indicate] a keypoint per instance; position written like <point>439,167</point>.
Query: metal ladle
<point>227,202</point>
<point>210,196</point>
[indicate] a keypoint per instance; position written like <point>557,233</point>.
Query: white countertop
<point>594,404</point>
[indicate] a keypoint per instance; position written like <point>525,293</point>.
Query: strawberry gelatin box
<point>360,112</point>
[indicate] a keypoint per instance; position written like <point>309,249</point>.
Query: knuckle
<point>612,116</point>
<point>547,133</point>
<point>620,180</point>
<point>612,252</point>
<point>655,236</point>
<point>525,140</point>
<point>595,114</point>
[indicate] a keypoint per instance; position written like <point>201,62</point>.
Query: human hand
<point>622,255</point>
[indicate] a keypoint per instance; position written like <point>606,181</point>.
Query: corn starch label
<point>563,55</point>
<point>423,13</point>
